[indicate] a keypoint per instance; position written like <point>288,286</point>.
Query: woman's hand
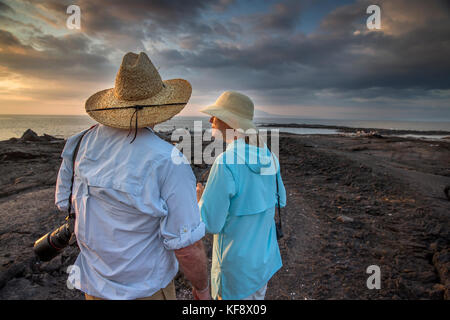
<point>200,189</point>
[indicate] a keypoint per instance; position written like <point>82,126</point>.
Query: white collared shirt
<point>133,207</point>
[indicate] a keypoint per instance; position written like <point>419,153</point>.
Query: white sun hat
<point>233,108</point>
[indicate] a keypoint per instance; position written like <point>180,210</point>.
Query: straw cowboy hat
<point>139,94</point>
<point>233,108</point>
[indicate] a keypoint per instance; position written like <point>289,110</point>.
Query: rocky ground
<point>353,201</point>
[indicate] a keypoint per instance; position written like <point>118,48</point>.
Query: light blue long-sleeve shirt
<point>133,207</point>
<point>238,207</point>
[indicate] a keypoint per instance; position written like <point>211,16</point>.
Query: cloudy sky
<point>311,59</point>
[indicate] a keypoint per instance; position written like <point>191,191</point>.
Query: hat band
<point>135,113</point>
<point>139,107</point>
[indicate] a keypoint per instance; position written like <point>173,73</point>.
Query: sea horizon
<point>63,126</point>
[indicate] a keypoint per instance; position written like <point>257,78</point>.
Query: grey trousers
<point>258,295</point>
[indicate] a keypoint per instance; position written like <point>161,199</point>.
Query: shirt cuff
<point>187,237</point>
<point>62,205</point>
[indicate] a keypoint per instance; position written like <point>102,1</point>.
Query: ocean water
<point>65,126</point>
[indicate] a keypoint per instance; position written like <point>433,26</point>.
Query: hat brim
<point>176,93</point>
<point>233,120</point>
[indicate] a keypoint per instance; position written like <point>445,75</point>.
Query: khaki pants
<point>167,293</point>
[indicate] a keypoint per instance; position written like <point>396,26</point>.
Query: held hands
<point>200,189</point>
<point>201,295</point>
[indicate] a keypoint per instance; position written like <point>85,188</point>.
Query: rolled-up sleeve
<point>182,226</point>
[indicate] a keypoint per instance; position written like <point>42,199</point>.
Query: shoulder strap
<point>277,224</point>
<point>75,153</point>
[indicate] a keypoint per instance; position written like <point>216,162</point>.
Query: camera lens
<point>50,245</point>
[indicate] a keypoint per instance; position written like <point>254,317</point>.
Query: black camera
<point>50,245</point>
<point>279,230</point>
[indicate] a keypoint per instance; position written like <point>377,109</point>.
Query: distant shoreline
<point>344,129</point>
<point>339,129</point>
<point>66,126</point>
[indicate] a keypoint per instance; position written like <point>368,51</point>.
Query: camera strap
<point>74,158</point>
<point>278,223</point>
<point>278,226</point>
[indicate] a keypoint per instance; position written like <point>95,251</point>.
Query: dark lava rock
<point>47,137</point>
<point>17,154</point>
<point>30,135</point>
<point>441,261</point>
<point>404,231</point>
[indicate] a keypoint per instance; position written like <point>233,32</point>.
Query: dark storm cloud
<point>4,8</point>
<point>118,16</point>
<point>283,16</point>
<point>410,57</point>
<point>318,62</point>
<point>71,56</point>
<point>343,19</point>
<point>222,5</point>
<point>24,28</point>
<point>408,52</point>
<point>7,39</point>
<point>126,24</point>
<point>332,58</point>
<point>109,29</point>
<point>260,51</point>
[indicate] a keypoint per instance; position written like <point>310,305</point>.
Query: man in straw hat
<point>137,218</point>
<point>238,203</point>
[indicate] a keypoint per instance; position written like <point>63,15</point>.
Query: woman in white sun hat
<point>238,203</point>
